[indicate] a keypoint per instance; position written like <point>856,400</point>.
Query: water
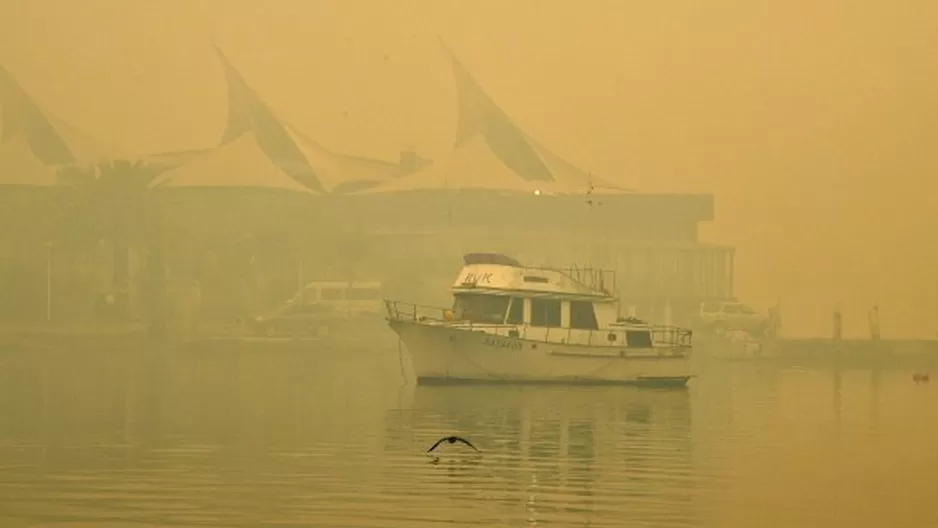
<point>334,438</point>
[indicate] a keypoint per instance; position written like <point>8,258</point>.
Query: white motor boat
<point>513,324</point>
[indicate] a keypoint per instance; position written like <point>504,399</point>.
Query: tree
<point>111,203</point>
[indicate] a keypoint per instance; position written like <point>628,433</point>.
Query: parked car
<point>323,307</point>
<point>732,315</point>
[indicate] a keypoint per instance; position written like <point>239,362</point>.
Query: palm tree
<point>111,204</point>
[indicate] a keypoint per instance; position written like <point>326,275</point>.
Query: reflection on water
<point>556,453</point>
<point>314,438</point>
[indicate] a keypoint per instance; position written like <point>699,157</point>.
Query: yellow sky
<point>813,123</point>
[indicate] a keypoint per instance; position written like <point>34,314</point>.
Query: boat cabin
<point>496,290</point>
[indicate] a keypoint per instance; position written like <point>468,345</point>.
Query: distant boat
<point>514,324</point>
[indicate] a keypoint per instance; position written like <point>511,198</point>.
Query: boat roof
<point>489,258</point>
<point>495,274</point>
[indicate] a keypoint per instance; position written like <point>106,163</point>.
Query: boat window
<point>746,310</point>
<point>481,308</point>
<point>533,278</point>
<point>332,294</point>
<point>545,312</point>
<point>516,311</point>
<point>711,307</point>
<point>638,338</point>
<point>363,294</point>
<point>732,308</point>
<point>582,315</point>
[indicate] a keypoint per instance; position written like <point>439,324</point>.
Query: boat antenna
<point>593,204</point>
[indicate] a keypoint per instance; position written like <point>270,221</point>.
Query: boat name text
<point>496,342</point>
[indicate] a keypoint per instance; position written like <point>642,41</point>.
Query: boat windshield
<point>480,308</point>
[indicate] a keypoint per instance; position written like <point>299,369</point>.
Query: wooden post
<point>874,323</point>
<point>838,324</point>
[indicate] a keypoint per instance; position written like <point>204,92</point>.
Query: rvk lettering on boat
<point>476,278</point>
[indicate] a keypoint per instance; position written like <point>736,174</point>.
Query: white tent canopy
<point>319,168</point>
<point>52,141</point>
<point>492,153</point>
<point>336,170</point>
<point>474,166</point>
<point>240,163</point>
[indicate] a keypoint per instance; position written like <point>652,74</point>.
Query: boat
<point>515,324</point>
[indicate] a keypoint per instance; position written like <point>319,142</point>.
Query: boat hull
<point>443,354</point>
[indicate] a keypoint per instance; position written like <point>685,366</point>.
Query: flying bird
<point>452,440</point>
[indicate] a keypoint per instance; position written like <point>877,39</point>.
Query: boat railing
<point>673,336</point>
<point>599,280</point>
<point>660,335</point>
<point>406,311</point>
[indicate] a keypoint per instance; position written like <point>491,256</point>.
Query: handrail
<point>596,279</point>
<point>661,335</point>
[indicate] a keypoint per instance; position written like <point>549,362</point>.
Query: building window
<point>516,311</point>
<point>582,315</point>
<point>545,312</point>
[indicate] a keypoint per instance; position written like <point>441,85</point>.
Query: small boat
<point>515,324</point>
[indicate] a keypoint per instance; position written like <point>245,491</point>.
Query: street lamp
<point>48,281</point>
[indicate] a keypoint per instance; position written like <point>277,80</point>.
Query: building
<point>500,190</point>
<point>267,205</point>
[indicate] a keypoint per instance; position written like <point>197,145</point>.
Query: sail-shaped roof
<point>22,117</point>
<point>492,153</point>
<point>239,163</point>
<point>34,143</point>
<point>295,155</point>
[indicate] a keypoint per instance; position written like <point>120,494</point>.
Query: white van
<point>731,315</point>
<point>324,305</point>
<point>346,298</point>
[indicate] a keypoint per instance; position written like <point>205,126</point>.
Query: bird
<point>451,440</point>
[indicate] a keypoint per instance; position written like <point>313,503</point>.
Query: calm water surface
<point>335,438</point>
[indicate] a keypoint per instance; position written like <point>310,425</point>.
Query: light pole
<point>300,280</point>
<point>48,282</point>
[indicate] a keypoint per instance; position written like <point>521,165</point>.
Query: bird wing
<point>463,440</point>
<point>438,442</point>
